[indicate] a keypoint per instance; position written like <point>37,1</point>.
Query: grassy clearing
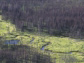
<point>6,27</point>
<point>59,47</point>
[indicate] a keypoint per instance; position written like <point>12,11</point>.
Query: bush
<point>23,54</point>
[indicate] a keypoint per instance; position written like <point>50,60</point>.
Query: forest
<point>57,25</point>
<point>53,17</point>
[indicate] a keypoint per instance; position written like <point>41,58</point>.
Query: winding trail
<point>13,42</point>
<point>43,47</point>
<point>31,41</point>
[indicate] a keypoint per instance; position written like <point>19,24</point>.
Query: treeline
<point>52,17</point>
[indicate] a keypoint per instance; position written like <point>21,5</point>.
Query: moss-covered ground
<point>63,49</point>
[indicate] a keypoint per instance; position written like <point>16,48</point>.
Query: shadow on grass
<point>23,54</point>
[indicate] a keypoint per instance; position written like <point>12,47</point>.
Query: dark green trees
<point>53,17</point>
<point>23,54</point>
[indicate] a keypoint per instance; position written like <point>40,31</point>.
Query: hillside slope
<point>64,49</point>
<point>19,53</point>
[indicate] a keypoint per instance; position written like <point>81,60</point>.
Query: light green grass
<point>58,47</point>
<point>6,27</point>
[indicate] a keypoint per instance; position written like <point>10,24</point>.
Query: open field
<point>64,49</point>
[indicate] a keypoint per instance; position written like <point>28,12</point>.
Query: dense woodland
<point>52,17</point>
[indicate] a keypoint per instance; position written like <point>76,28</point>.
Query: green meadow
<point>63,49</point>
